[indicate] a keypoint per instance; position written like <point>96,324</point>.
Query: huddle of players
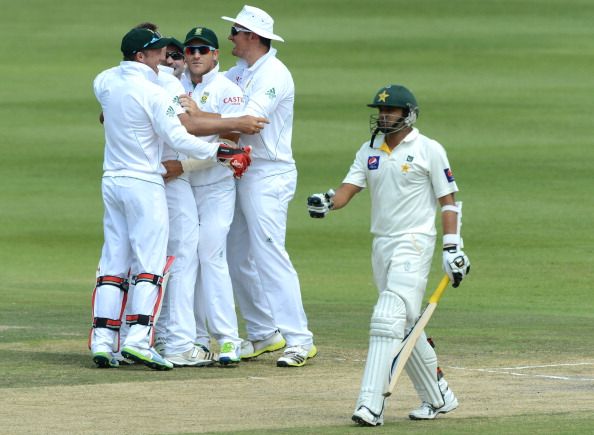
<point>205,201</point>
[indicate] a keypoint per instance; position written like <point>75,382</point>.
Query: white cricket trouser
<point>401,265</point>
<point>401,268</point>
<point>263,203</point>
<point>135,238</point>
<point>247,286</point>
<point>215,204</point>
<point>177,323</point>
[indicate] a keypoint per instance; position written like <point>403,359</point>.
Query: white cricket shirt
<point>139,117</point>
<point>404,185</point>
<point>174,88</point>
<point>268,91</point>
<point>215,94</point>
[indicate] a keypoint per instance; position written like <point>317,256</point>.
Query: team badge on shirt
<point>449,175</point>
<point>204,97</point>
<point>271,93</point>
<point>373,162</point>
<point>409,159</point>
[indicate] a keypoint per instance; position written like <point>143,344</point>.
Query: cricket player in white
<point>214,194</point>
<point>259,225</point>
<point>175,331</point>
<point>407,175</point>
<point>138,116</point>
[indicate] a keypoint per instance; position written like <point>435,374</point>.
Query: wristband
<point>451,239</point>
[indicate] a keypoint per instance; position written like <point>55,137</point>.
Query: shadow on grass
<point>27,357</point>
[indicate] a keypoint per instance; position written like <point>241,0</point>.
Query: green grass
<point>505,86</point>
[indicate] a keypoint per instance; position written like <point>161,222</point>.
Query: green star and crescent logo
<point>382,97</point>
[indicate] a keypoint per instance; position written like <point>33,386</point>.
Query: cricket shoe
<point>228,354</point>
<point>159,346</point>
<point>295,356</point>
<point>364,417</point>
<point>123,361</point>
<point>105,360</point>
<point>148,357</point>
<point>252,349</point>
<point>428,412</point>
<point>194,357</point>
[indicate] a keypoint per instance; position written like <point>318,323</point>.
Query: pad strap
<point>147,277</point>
<point>139,319</point>
<point>121,283</point>
<point>104,322</point>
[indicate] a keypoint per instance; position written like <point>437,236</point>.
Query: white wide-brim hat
<point>257,21</point>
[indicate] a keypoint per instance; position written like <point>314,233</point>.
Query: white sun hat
<point>256,20</point>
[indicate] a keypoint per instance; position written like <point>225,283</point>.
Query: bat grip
<point>437,294</point>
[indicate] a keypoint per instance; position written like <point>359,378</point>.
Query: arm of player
<point>320,204</point>
<point>455,262</point>
<point>201,123</point>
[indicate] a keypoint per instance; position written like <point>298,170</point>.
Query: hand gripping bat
<point>409,342</point>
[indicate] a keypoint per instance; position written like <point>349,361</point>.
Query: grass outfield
<point>505,86</point>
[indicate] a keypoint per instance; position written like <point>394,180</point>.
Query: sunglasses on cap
<point>236,29</point>
<point>155,38</point>
<point>175,55</point>
<point>202,49</point>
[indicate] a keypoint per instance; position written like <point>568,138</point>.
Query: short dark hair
<point>147,25</point>
<point>265,41</point>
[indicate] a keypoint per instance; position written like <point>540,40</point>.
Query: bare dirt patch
<point>320,394</point>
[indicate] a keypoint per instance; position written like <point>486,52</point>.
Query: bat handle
<point>438,293</point>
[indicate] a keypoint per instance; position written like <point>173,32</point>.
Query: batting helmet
<point>394,96</point>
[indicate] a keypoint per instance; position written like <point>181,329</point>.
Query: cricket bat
<point>409,342</point>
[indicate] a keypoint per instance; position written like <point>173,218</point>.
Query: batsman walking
<point>407,175</point>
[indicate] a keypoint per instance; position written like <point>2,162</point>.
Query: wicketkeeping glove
<point>237,159</point>
<point>319,204</point>
<point>456,264</point>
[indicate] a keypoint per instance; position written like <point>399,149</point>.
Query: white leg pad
<point>386,333</point>
<point>422,370</point>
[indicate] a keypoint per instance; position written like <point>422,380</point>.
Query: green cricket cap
<point>142,39</point>
<point>177,43</point>
<point>204,34</point>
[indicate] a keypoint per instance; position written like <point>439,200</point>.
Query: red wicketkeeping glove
<point>237,159</point>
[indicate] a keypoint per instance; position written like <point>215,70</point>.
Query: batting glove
<point>456,264</point>
<point>236,158</point>
<point>319,204</point>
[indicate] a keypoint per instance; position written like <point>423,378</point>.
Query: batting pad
<point>422,370</point>
<point>386,333</point>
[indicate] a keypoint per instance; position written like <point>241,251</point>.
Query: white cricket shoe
<point>252,349</point>
<point>148,357</point>
<point>194,357</point>
<point>428,412</point>
<point>364,417</point>
<point>296,356</point>
<point>228,354</point>
<point>121,360</point>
